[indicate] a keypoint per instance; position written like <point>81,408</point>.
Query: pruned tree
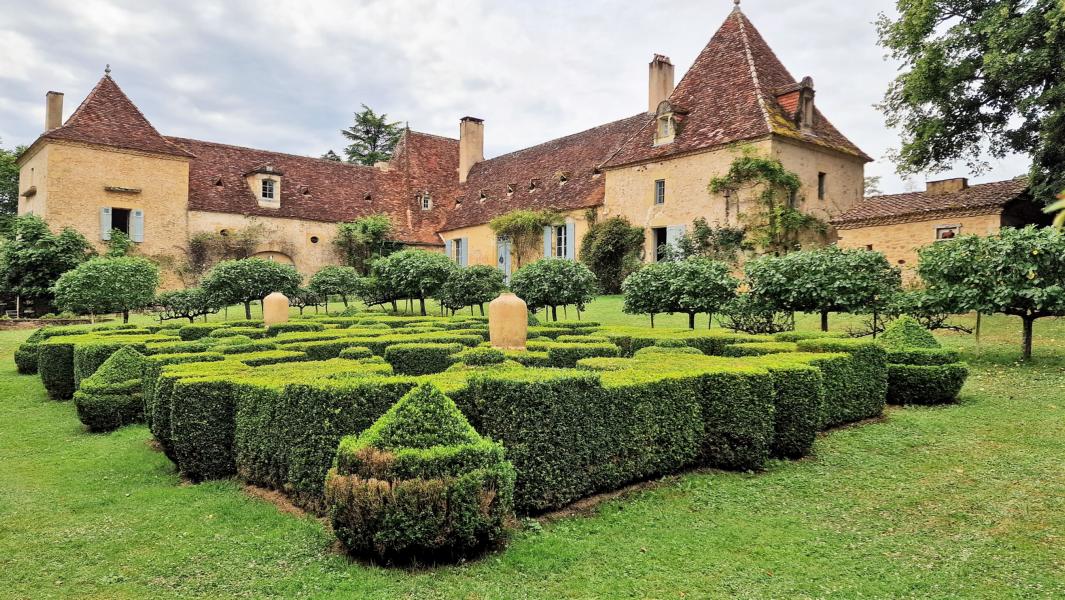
<point>185,304</point>
<point>823,281</point>
<point>554,282</point>
<point>1018,272</point>
<point>414,274</point>
<point>692,287</point>
<point>104,285</point>
<point>247,280</point>
<point>334,281</point>
<point>471,286</point>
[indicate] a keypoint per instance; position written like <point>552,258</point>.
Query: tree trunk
<point>824,320</point>
<point>978,319</point>
<point>691,320</point>
<point>327,305</point>
<point>874,323</point>
<point>344,297</point>
<point>1028,322</point>
<point>192,319</point>
<point>395,306</point>
<point>709,320</point>
<point>554,313</point>
<point>421,302</point>
<point>482,309</point>
<point>652,320</point>
<point>125,316</point>
<point>247,310</point>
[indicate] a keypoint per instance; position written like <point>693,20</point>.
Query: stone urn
<point>275,309</point>
<point>508,322</point>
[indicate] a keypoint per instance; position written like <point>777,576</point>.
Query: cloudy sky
<point>286,75</point>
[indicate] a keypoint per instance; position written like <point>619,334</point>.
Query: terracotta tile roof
<point>982,198</point>
<point>108,117</point>
<point>730,94</point>
<point>575,157</point>
<point>322,190</point>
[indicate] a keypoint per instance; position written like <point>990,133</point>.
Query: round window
<point>314,239</point>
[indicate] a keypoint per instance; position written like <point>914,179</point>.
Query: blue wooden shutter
<point>571,235</point>
<point>447,248</point>
<point>136,226</point>
<point>105,223</point>
<point>548,230</point>
<point>464,251</point>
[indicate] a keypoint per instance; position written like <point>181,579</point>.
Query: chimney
<point>805,111</point>
<point>471,145</point>
<point>53,110</point>
<point>947,186</point>
<point>659,81</point>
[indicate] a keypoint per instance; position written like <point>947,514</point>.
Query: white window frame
<point>559,241</point>
<point>427,201</point>
<point>956,228</point>
<point>268,194</point>
<point>660,192</point>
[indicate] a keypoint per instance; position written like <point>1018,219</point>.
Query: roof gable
<point>730,94</point>
<point>109,118</point>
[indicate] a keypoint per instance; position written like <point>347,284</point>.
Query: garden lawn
<point>955,501</point>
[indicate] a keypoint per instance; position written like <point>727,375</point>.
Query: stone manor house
<point>106,167</point>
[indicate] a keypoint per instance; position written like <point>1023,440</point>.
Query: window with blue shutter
<point>105,223</point>
<point>548,238</point>
<point>449,249</point>
<point>464,251</point>
<point>136,226</point>
<point>571,240</point>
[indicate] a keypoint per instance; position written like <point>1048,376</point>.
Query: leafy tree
<point>824,280</point>
<point>524,229</point>
<point>305,297</point>
<point>1059,208</point>
<point>611,250</point>
<point>554,282</point>
<point>330,155</point>
<point>8,186</point>
<point>700,285</point>
<point>374,291</point>
<point>473,285</point>
<point>691,286</point>
<point>1019,272</point>
<point>715,242</point>
<point>871,186</point>
<point>249,279</point>
<point>979,77</point>
<point>363,240</point>
<point>185,304</point>
<point>415,274</point>
<point>334,281</point>
<point>774,225</point>
<point>647,291</point>
<point>32,257</point>
<point>103,285</point>
<point>373,137</point>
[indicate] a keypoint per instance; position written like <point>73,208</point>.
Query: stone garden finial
<point>107,69</point>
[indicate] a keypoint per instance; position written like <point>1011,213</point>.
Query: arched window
<point>665,123</point>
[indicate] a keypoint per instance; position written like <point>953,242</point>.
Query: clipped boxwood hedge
<point>420,359</point>
<point>279,328</point>
<point>855,386</point>
<point>925,384</point>
<point>111,396</point>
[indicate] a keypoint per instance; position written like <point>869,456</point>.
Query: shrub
<point>922,356</point>
<point>196,331</point>
<point>759,348</point>
<point>565,355</point>
<point>610,249</point>
<point>855,383</point>
<point>355,353</point>
<point>55,363</point>
<point>279,328</point>
<point>652,350</point>
<point>476,357</point>
<point>89,355</point>
<point>26,353</point>
<point>111,397</point>
<point>420,482</point>
<point>906,332</point>
<point>420,359</point>
<point>925,384</point>
<point>252,332</point>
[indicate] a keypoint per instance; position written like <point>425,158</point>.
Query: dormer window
<point>426,201</point>
<point>533,184</point>
<point>267,192</point>
<point>665,123</point>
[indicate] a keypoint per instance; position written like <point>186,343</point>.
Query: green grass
<point>956,501</point>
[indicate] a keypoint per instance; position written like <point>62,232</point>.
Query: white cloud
<point>287,74</point>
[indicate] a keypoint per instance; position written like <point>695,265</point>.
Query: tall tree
<point>8,185</point>
<point>32,258</point>
<point>980,77</point>
<point>372,137</point>
<point>330,155</point>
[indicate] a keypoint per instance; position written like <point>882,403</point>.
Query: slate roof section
<point>984,198</point>
<point>107,117</point>
<point>328,191</point>
<point>577,157</point>
<point>729,95</point>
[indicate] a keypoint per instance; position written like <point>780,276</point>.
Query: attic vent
<point>484,196</point>
<point>218,181</point>
<point>533,184</point>
<point>596,172</point>
<point>368,197</point>
<point>563,178</point>
<point>305,190</point>
<point>510,189</point>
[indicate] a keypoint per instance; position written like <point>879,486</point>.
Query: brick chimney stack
<point>659,81</point>
<point>805,112</point>
<point>947,186</point>
<point>471,145</point>
<point>53,110</point>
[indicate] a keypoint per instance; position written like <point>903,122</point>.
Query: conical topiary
<point>420,483</point>
<point>111,397</point>
<point>906,332</point>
